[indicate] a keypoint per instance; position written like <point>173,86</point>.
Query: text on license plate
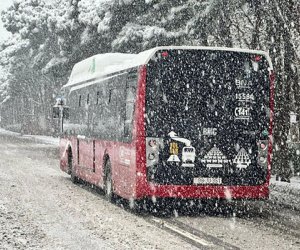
<point>207,180</point>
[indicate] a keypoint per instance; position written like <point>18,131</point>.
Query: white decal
<point>209,131</point>
<point>174,158</point>
<point>242,84</point>
<point>188,152</point>
<point>188,156</point>
<point>174,137</point>
<point>207,180</point>
<point>242,113</point>
<point>245,97</point>
<point>214,158</point>
<point>242,159</point>
<point>255,66</point>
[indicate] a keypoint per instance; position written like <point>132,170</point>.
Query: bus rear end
<point>207,125</point>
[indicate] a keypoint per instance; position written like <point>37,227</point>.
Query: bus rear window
<point>189,90</point>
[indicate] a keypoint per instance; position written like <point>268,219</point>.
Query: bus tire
<point>69,154</point>
<point>71,170</point>
<point>108,183</point>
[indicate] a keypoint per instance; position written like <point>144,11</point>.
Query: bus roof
<point>101,65</point>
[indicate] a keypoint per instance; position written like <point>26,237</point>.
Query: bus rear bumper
<point>260,192</point>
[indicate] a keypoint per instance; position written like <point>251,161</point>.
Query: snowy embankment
<point>286,194</point>
<point>282,193</point>
<point>36,138</point>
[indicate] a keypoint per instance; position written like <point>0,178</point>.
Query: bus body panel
<point>213,192</point>
<point>121,155</point>
<point>85,160</point>
<point>123,169</point>
<point>141,173</point>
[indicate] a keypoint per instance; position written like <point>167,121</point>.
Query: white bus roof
<point>100,65</point>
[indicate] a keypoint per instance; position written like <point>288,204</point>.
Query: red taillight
<point>257,58</point>
<point>164,54</point>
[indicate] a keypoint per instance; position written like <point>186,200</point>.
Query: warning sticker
<point>188,156</point>
<point>188,152</point>
<point>174,152</point>
<point>242,159</point>
<point>174,158</point>
<point>214,158</point>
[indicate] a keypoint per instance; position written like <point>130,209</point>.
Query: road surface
<point>41,209</point>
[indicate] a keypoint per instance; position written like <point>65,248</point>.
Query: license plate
<point>207,180</point>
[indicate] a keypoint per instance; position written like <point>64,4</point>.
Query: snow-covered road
<point>41,208</point>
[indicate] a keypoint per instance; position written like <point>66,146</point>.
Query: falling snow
<point>184,88</point>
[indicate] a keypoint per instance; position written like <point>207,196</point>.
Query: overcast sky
<point>3,5</point>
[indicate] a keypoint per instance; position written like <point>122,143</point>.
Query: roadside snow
<point>294,184</point>
<point>286,194</point>
<point>44,139</point>
<point>6,132</point>
<point>36,138</point>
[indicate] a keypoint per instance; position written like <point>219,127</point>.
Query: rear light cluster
<point>257,58</point>
<point>263,153</point>
<point>153,146</point>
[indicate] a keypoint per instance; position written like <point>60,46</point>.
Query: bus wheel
<point>71,170</point>
<point>69,161</point>
<point>108,184</point>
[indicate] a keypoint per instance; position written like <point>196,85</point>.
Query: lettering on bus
<point>242,113</point>
<point>245,97</point>
<point>209,131</point>
<point>243,84</point>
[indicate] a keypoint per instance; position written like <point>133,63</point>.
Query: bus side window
<point>66,113</point>
<point>88,99</point>
<point>55,112</point>
<point>129,102</point>
<point>98,98</point>
<point>98,111</point>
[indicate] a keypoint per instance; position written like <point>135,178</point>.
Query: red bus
<point>177,122</point>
